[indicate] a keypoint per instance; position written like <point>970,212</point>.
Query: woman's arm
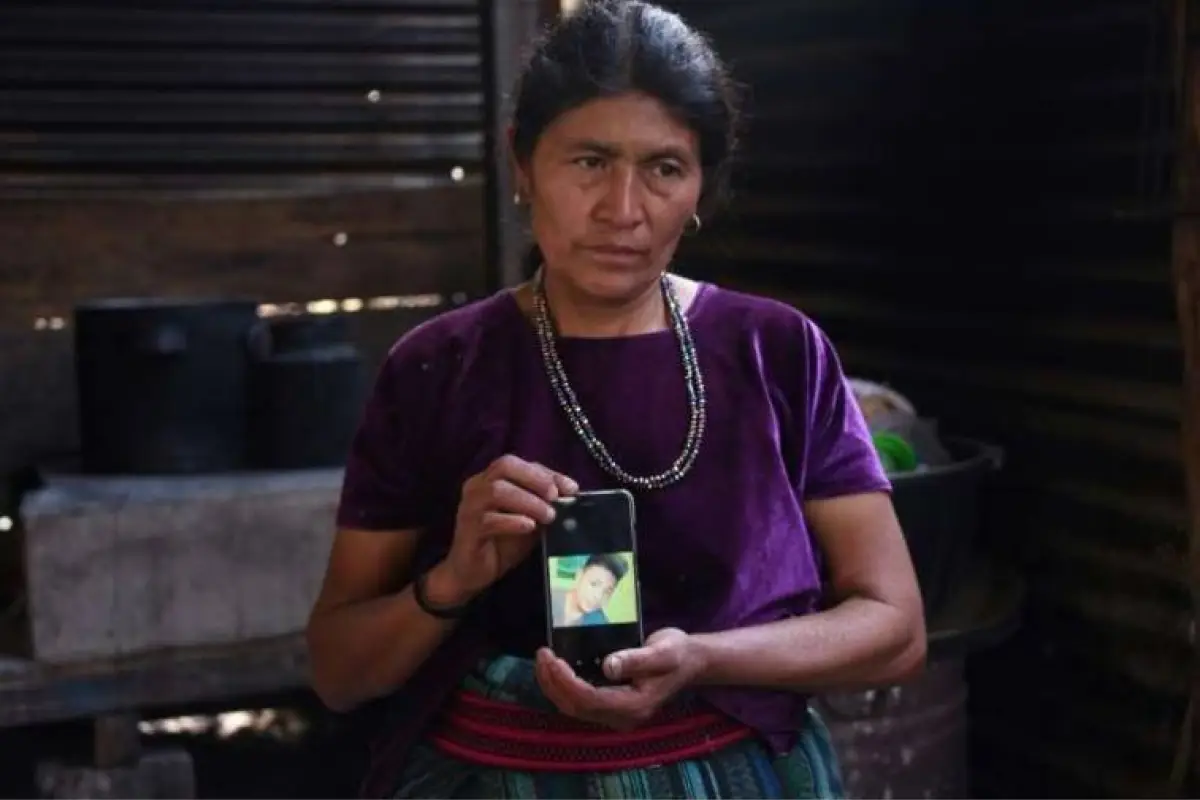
<point>366,633</point>
<point>874,636</point>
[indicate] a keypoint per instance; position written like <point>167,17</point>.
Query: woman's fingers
<point>499,523</point>
<point>507,497</point>
<point>533,477</point>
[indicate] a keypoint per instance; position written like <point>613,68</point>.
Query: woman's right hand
<point>498,517</point>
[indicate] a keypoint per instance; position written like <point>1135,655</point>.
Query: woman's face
<point>611,185</point>
<point>593,587</point>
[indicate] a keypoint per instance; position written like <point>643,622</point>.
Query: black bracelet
<point>441,612</point>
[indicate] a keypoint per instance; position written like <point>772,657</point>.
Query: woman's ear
<point>520,180</point>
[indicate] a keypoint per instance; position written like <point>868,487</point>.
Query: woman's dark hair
<point>614,564</point>
<point>611,47</point>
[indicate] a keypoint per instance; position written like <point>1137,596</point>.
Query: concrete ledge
<point>118,566</point>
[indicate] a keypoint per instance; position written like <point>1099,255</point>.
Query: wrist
<point>700,658</point>
<point>443,589</point>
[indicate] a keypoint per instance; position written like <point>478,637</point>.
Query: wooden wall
<point>314,150</point>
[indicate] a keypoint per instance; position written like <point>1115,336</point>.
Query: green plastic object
<point>896,454</point>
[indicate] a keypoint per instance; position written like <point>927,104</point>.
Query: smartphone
<point>593,599</point>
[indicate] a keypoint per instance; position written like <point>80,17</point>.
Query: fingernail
<point>612,667</point>
<point>572,486</point>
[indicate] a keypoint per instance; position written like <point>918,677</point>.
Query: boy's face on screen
<point>593,587</point>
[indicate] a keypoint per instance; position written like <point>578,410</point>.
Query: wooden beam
<point>508,28</point>
<point>35,694</point>
<point>290,248</point>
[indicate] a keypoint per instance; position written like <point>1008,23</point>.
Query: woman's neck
<point>584,317</point>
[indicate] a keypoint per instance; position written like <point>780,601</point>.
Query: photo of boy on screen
<point>584,600</point>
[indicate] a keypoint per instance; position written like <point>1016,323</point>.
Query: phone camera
<point>569,524</point>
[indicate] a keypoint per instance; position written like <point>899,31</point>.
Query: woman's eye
<point>667,169</point>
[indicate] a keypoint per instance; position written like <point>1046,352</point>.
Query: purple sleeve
<point>841,458</point>
<point>386,484</point>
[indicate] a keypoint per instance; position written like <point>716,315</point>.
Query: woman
<point>727,415</point>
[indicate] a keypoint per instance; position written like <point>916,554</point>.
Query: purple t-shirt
<point>724,548</point>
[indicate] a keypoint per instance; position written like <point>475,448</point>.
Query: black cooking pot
<point>307,389</point>
<point>162,384</point>
<point>941,512</point>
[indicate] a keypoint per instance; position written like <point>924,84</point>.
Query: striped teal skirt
<point>744,769</point>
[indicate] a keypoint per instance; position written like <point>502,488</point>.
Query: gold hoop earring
<point>692,226</point>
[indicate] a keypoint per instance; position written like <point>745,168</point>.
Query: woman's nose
<point>621,204</point>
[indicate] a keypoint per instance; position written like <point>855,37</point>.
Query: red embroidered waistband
<point>500,734</point>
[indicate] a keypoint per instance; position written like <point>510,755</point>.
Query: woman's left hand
<point>655,672</point>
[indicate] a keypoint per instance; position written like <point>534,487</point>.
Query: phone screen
<point>593,602</point>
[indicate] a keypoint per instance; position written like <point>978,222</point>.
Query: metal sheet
<point>973,199</point>
<point>1186,263</point>
<point>221,88</point>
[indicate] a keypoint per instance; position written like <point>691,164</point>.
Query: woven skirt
<point>743,769</point>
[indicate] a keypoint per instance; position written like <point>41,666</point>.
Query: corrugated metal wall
<point>1186,269</point>
<point>361,91</point>
<point>973,198</point>
<point>287,150</point>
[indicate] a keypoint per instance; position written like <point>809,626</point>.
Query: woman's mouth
<point>616,254</point>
